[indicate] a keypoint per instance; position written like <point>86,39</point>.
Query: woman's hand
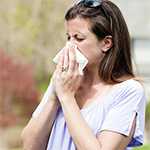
<point>66,76</point>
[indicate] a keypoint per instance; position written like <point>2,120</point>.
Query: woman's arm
<point>116,140</point>
<point>36,134</point>
<point>83,136</point>
<point>81,133</point>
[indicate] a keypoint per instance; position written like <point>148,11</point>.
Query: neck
<point>91,78</point>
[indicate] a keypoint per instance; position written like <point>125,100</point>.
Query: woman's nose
<point>73,41</point>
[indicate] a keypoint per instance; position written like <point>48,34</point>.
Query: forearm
<point>36,134</point>
<point>81,133</point>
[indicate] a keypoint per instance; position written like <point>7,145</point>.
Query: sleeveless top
<point>114,112</point>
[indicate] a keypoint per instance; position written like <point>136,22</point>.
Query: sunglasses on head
<point>94,3</point>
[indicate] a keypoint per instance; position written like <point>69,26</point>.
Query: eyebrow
<point>76,34</point>
<point>67,33</point>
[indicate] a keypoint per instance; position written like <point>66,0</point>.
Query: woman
<point>105,108</point>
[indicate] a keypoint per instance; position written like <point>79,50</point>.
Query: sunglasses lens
<point>93,3</point>
<point>89,3</point>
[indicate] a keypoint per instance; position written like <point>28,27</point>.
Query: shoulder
<point>131,86</point>
<point>130,91</point>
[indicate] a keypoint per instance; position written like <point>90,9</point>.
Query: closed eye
<point>79,39</point>
<point>68,37</point>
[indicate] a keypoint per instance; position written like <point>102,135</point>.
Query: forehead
<point>78,25</point>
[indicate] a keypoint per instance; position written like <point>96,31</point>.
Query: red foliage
<point>18,91</point>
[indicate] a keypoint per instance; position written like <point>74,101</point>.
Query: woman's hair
<point>116,65</point>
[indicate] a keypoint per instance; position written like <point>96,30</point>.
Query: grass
<point>144,147</point>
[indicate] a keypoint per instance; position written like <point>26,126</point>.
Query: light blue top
<point>115,112</point>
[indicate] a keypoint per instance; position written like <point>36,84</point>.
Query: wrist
<point>64,98</point>
<point>53,98</point>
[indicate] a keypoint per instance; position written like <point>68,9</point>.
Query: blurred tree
<point>18,92</point>
<point>35,30</point>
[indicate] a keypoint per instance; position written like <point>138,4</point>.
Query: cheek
<point>86,50</point>
<point>86,47</point>
<point>93,54</point>
<point>89,49</point>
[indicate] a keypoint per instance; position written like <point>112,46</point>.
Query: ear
<point>107,43</point>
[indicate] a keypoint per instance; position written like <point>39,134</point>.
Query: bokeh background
<point>31,34</point>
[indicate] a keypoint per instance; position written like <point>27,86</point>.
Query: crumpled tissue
<point>81,59</point>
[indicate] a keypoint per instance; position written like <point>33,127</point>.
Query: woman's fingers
<point>66,58</point>
<point>72,59</point>
<point>60,63</point>
<point>66,81</point>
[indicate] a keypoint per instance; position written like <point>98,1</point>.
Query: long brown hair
<point>116,66</point>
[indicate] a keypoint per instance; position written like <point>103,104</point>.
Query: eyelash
<point>78,39</point>
<point>68,38</point>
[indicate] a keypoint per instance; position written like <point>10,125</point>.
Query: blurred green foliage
<point>147,123</point>
<point>34,30</point>
<point>144,147</point>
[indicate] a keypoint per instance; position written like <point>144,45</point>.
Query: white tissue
<point>80,58</point>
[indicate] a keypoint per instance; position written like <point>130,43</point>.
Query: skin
<point>74,93</point>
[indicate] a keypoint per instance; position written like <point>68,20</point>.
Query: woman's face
<point>79,33</point>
